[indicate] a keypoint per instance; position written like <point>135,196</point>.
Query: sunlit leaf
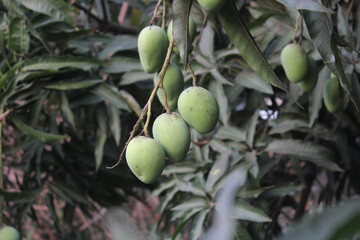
<point>245,211</point>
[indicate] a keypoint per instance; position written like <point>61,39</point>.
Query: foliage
<point>72,88</point>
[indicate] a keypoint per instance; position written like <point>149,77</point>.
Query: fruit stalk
<point>146,108</point>
<point>163,24</point>
<point>156,88</point>
<point>153,19</point>
<point>192,75</point>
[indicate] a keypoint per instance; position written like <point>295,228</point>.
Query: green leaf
<point>111,94</point>
<point>19,39</point>
<point>253,81</point>
<point>315,101</point>
<point>41,136</point>
<point>244,211</point>
<point>193,203</point>
<point>321,32</point>
<point>133,77</point>
<point>66,109</point>
<point>308,151</point>
<point>74,85</point>
<point>339,222</point>
<point>181,10</point>
<point>199,221</point>
<point>100,136</point>
<point>231,133</point>
<point>59,62</point>
<point>162,187</point>
<point>179,169</point>
<point>9,74</point>
<point>56,9</point>
<point>120,43</point>
<point>114,122</point>
<point>312,5</point>
<point>245,43</point>
<point>122,64</point>
<point>191,188</point>
<point>251,129</point>
<point>218,169</point>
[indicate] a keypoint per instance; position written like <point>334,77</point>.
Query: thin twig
<point>154,16</point>
<point>193,75</point>
<point>148,105</point>
<point>163,25</point>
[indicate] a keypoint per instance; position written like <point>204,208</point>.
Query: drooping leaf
<point>114,122</point>
<point>66,109</point>
<point>120,43</point>
<point>41,136</point>
<point>253,81</point>
<point>245,211</point>
<point>134,77</point>
<point>122,64</point>
<point>9,74</point>
<point>315,101</point>
<point>100,136</point>
<point>244,42</point>
<point>193,203</point>
<point>198,228</point>
<point>74,85</point>
<point>111,94</point>
<point>218,169</point>
<point>311,5</point>
<point>339,222</point>
<point>59,62</point>
<point>320,30</point>
<point>56,9</point>
<point>181,10</point>
<point>308,151</point>
<point>19,39</point>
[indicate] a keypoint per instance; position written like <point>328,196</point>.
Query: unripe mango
<point>332,95</point>
<point>173,134</point>
<point>145,158</point>
<point>211,5</point>
<point>173,84</point>
<point>309,81</point>
<point>199,109</point>
<point>295,62</point>
<point>192,32</point>
<point>9,233</point>
<point>152,48</point>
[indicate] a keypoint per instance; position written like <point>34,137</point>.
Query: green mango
<point>295,62</point>
<point>199,109</point>
<point>9,233</point>
<point>145,158</point>
<point>309,81</point>
<point>211,5</point>
<point>152,48</point>
<point>173,134</point>
<point>173,84</point>
<point>333,95</point>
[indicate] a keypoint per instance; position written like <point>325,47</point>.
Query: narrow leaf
<point>19,39</point>
<point>253,81</point>
<point>114,122</point>
<point>312,5</point>
<point>59,62</point>
<point>245,43</point>
<point>309,151</point>
<point>244,211</point>
<point>111,94</point>
<point>193,203</point>
<point>100,136</point>
<point>74,85</point>
<point>41,136</point>
<point>181,10</point>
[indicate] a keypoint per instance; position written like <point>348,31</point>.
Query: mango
<point>295,62</point>
<point>211,5</point>
<point>173,134</point>
<point>9,233</point>
<point>145,158</point>
<point>333,95</point>
<point>199,109</point>
<point>192,32</point>
<point>309,81</point>
<point>173,84</point>
<point>152,48</point>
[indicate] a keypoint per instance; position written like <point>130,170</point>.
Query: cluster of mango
<point>301,68</point>
<point>197,108</point>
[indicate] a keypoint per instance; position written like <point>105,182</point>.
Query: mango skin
<point>332,95</point>
<point>173,84</point>
<point>295,62</point>
<point>310,80</point>
<point>192,32</point>
<point>145,158</point>
<point>152,48</point>
<point>9,233</point>
<point>212,5</point>
<point>173,134</point>
<point>199,109</point>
